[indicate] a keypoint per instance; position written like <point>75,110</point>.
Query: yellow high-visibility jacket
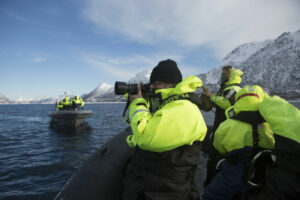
<point>78,101</point>
<point>233,134</point>
<point>283,117</point>
<point>229,90</point>
<point>65,102</point>
<point>177,123</point>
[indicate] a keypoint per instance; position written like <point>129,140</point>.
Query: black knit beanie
<point>166,71</point>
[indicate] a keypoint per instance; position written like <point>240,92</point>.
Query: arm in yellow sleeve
<point>139,116</point>
<point>220,101</point>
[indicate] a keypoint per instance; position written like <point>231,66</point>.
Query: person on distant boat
<point>82,102</point>
<point>64,104</point>
<point>168,141</point>
<point>283,181</point>
<point>223,99</point>
<point>238,139</point>
<point>77,103</point>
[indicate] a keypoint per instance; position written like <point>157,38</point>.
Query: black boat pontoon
<point>69,119</point>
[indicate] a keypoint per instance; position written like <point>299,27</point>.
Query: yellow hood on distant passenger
<point>235,77</point>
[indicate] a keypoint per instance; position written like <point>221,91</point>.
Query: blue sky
<point>48,47</point>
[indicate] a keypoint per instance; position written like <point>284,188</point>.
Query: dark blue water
<point>36,161</point>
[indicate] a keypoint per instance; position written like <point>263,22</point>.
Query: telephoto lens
<point>122,88</point>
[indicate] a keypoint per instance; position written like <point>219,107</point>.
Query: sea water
<point>36,161</point>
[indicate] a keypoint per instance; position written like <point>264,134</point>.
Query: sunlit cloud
<point>221,25</point>
<point>38,59</point>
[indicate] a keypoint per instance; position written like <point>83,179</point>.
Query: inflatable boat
<point>68,119</point>
<point>101,176</point>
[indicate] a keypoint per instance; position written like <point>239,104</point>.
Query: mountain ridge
<point>275,66</point>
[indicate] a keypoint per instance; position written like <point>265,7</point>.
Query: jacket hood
<point>248,99</point>
<point>189,84</point>
<point>235,77</point>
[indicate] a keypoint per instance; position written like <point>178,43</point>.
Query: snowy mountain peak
<point>98,92</point>
<point>105,92</point>
<point>143,76</point>
<point>243,52</point>
<point>102,88</point>
<point>272,64</point>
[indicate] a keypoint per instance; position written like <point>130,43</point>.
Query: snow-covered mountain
<point>5,100</point>
<point>38,100</point>
<point>23,100</point>
<point>98,93</point>
<point>143,76</point>
<point>272,64</point>
<point>105,92</point>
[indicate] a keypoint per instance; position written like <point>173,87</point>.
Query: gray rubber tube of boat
<point>101,176</point>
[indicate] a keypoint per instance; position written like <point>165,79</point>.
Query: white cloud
<point>38,59</point>
<point>220,24</point>
<point>126,67</point>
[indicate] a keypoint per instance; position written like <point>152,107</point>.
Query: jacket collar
<point>187,85</point>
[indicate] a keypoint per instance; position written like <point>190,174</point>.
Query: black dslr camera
<point>122,88</point>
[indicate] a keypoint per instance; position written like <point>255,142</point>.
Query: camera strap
<point>126,116</point>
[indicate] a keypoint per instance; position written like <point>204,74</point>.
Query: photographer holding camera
<point>167,138</point>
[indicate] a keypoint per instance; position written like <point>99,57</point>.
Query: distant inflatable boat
<point>69,119</point>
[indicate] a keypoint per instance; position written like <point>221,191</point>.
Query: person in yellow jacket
<point>77,103</point>
<point>81,102</point>
<point>64,104</point>
<point>223,99</point>
<point>283,181</point>
<point>238,138</point>
<point>168,141</point>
